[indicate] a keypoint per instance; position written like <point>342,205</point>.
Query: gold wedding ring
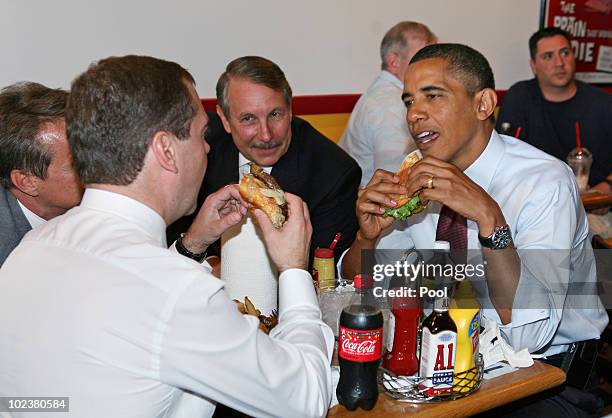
<point>430,182</point>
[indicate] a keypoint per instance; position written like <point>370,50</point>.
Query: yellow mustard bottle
<point>465,311</point>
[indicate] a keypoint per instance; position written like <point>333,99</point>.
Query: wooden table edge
<point>498,391</point>
<point>596,200</point>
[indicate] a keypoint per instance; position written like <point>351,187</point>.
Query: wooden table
<point>493,393</point>
<point>596,200</point>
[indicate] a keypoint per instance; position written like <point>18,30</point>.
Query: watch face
<point>501,237</point>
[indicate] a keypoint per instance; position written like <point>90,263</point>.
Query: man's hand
<point>372,201</point>
<point>288,247</point>
<point>220,211</point>
<point>451,187</point>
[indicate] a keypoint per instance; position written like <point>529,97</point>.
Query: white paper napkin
<point>494,348</point>
<point>246,267</point>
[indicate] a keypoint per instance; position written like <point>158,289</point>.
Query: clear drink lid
<point>584,154</point>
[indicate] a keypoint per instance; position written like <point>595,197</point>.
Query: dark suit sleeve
<point>513,111</point>
<point>337,214</point>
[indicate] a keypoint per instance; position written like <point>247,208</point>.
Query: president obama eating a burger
<point>494,195</point>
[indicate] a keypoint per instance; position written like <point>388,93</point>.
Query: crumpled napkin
<point>494,348</point>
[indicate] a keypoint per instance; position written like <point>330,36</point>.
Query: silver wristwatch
<point>500,238</point>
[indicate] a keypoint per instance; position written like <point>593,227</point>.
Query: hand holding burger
<point>262,191</point>
<point>407,205</point>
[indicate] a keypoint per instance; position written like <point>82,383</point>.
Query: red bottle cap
<point>324,253</point>
<point>363,281</point>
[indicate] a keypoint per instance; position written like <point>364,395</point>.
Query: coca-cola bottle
<point>359,348</point>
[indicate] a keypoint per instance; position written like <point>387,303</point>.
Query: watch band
<point>180,248</point>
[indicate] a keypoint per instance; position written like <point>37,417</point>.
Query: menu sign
<point>589,22</point>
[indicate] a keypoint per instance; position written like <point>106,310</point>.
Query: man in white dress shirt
<point>36,172</point>
<point>376,135</point>
<point>95,307</point>
<point>520,209</point>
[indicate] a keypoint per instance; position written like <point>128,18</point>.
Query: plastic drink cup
<point>580,163</point>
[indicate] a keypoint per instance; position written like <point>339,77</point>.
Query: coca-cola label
<point>361,346</point>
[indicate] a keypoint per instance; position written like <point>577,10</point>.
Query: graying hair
<point>395,38</point>
<point>257,70</point>
<point>24,108</point>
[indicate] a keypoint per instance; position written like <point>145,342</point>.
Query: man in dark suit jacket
<point>36,173</point>
<point>13,224</point>
<point>255,121</point>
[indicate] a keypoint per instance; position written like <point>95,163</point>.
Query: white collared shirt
<point>377,135</point>
<point>243,161</point>
<point>540,201</point>
<point>33,219</point>
<point>93,306</point>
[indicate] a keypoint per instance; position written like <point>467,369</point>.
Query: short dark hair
<point>24,107</point>
<point>465,63</point>
<point>258,70</point>
<point>545,33</point>
<point>395,38</point>
<point>115,108</point>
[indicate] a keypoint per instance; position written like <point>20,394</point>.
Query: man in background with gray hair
<point>36,173</point>
<point>377,135</point>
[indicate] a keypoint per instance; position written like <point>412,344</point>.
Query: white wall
<point>324,46</point>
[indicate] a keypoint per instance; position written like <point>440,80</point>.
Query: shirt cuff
<point>522,317</point>
<point>295,289</point>
<point>204,262</point>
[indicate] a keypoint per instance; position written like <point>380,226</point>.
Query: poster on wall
<point>589,22</point>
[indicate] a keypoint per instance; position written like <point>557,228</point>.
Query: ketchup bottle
<point>401,357</point>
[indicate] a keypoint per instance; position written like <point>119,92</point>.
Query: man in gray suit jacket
<point>36,173</point>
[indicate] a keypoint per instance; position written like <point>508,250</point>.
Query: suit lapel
<point>222,168</point>
<point>287,169</point>
<point>227,163</point>
<point>13,223</point>
<point>22,226</point>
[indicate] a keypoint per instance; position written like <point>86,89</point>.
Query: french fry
<point>266,323</point>
<point>250,307</point>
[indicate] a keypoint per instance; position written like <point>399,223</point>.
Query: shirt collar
<point>482,170</point>
<point>130,209</point>
<point>386,75</point>
<point>243,161</point>
<point>33,219</point>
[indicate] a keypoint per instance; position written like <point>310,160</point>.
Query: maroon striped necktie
<point>452,227</point>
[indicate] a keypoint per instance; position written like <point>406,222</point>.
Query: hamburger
<point>262,191</point>
<point>406,205</point>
